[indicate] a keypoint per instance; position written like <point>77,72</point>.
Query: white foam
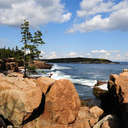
<point>59,75</point>
<point>104,87</point>
<point>55,66</point>
<point>86,82</point>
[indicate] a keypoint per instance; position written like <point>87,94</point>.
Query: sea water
<point>84,76</point>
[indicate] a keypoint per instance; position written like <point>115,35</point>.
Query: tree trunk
<point>25,63</point>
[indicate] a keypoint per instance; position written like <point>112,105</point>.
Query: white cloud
<point>126,54</point>
<point>114,55</point>
<point>90,7</point>
<point>99,51</point>
<point>101,54</point>
<point>72,54</point>
<point>13,12</point>
<point>116,19</point>
<point>52,55</point>
<point>118,57</point>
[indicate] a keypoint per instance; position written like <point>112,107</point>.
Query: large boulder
<point>62,102</point>
<point>18,98</point>
<point>45,83</point>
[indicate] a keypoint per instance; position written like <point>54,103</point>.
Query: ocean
<point>84,76</point>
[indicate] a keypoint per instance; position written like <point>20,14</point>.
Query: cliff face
<point>79,60</point>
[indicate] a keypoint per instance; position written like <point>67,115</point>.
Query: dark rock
<point>91,102</point>
<point>99,92</point>
<point>9,64</point>
<point>116,100</point>
<point>42,65</point>
<point>109,121</point>
<point>2,123</point>
<point>99,82</point>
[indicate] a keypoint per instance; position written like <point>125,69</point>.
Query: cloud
<point>113,55</point>
<point>101,54</point>
<point>99,51</point>
<point>100,15</point>
<point>38,12</point>
<point>51,55</point>
<point>72,54</point>
<point>90,7</point>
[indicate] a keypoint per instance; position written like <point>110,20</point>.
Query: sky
<point>71,28</point>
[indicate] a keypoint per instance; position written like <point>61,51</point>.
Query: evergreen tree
<point>7,53</point>
<point>25,38</point>
<point>30,47</point>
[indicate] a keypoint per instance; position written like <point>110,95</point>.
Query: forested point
<point>11,53</point>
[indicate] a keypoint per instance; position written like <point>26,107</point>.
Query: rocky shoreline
<point>47,103</point>
<point>12,65</point>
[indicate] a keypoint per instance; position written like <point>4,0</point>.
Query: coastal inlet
<point>84,76</point>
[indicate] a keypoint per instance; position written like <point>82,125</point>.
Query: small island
<point>80,60</point>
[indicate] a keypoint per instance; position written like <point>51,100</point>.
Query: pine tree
<point>30,47</point>
<point>25,38</point>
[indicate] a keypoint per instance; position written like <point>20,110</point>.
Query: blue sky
<point>71,28</point>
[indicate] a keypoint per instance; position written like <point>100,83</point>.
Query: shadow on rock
<point>36,112</point>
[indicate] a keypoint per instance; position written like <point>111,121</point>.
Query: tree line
<point>11,53</point>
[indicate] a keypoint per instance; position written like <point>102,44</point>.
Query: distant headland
<point>80,60</point>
